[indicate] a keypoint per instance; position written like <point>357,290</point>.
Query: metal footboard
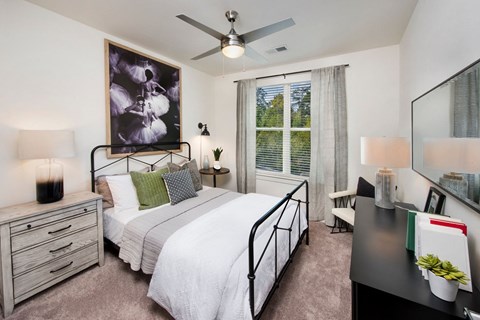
<point>253,266</point>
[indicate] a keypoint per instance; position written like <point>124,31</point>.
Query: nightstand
<point>43,244</point>
<point>214,173</point>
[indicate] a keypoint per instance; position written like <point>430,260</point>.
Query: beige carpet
<point>316,286</point>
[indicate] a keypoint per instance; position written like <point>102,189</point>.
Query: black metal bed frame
<point>162,147</point>
<point>252,265</point>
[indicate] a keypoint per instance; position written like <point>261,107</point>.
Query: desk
<point>214,173</point>
<point>386,283</point>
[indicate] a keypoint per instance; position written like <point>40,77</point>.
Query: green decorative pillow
<point>151,190</point>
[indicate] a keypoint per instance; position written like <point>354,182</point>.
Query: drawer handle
<point>59,230</point>
<point>84,209</point>
<point>61,268</point>
<point>64,247</point>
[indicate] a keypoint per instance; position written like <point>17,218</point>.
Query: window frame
<point>286,145</point>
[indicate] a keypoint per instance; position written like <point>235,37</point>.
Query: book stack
<point>439,235</point>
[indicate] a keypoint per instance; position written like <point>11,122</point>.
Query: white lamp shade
<point>391,152</point>
<point>233,51</point>
<point>460,155</point>
<point>46,144</point>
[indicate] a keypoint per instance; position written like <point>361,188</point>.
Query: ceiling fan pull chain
<point>243,63</point>
<point>223,66</point>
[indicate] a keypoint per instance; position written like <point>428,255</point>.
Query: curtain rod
<point>289,73</point>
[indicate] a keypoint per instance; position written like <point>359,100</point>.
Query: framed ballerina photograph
<point>143,100</point>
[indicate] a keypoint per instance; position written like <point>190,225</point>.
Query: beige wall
<point>441,39</point>
<point>372,82</point>
<point>52,77</point>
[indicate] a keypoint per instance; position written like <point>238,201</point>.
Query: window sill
<point>280,178</point>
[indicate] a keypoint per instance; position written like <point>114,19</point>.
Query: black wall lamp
<point>204,127</point>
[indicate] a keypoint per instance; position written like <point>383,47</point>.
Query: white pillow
<point>123,191</point>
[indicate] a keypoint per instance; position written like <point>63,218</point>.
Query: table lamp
<point>47,144</point>
<point>387,153</point>
<point>456,156</point>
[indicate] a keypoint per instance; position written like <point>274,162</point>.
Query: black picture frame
<point>435,201</point>
<point>143,100</point>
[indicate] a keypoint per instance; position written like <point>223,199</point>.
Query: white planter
<point>216,165</point>
<point>442,288</point>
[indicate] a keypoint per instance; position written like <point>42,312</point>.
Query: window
<point>283,128</point>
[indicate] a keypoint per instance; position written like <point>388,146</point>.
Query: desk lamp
<point>387,153</point>
<point>47,144</point>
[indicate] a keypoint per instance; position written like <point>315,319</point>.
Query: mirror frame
<point>472,205</point>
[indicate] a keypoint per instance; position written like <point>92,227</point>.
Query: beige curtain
<point>246,133</point>
<point>329,152</point>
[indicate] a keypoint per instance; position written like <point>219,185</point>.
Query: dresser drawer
<point>28,259</point>
<point>40,220</point>
<point>37,277</point>
<point>52,231</point>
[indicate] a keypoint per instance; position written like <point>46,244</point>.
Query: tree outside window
<point>283,128</point>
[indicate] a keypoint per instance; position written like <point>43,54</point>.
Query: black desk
<point>386,283</point>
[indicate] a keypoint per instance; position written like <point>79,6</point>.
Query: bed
<point>217,254</point>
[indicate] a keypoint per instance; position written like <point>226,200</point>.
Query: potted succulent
<point>444,278</point>
<point>216,154</point>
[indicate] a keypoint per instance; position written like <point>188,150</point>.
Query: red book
<point>459,225</point>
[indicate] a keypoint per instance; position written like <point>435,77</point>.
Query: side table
<point>214,173</point>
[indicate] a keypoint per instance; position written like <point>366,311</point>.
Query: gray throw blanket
<point>144,237</point>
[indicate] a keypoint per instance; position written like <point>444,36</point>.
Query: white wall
<point>372,82</point>
<point>441,39</point>
<point>53,77</point>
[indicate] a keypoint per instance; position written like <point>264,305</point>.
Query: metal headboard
<point>164,147</point>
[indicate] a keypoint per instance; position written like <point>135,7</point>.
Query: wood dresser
<point>386,283</point>
<point>43,244</point>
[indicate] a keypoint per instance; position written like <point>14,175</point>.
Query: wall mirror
<point>446,135</point>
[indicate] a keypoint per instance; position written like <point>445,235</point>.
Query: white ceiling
<point>323,27</point>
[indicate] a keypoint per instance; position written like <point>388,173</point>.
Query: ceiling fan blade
<point>249,52</point>
<point>265,31</point>
<point>200,26</point>
<point>208,53</point>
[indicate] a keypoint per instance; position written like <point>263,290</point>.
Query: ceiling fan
<point>232,44</point>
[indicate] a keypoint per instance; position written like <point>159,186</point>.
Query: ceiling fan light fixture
<point>233,51</point>
<point>233,46</point>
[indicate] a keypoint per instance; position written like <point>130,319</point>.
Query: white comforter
<point>202,270</point>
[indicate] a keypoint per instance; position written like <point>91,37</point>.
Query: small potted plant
<point>444,278</point>
<point>216,154</point>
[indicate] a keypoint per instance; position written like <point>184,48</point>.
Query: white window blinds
<point>283,128</point>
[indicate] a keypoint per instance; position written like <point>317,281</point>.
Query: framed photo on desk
<point>435,201</point>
